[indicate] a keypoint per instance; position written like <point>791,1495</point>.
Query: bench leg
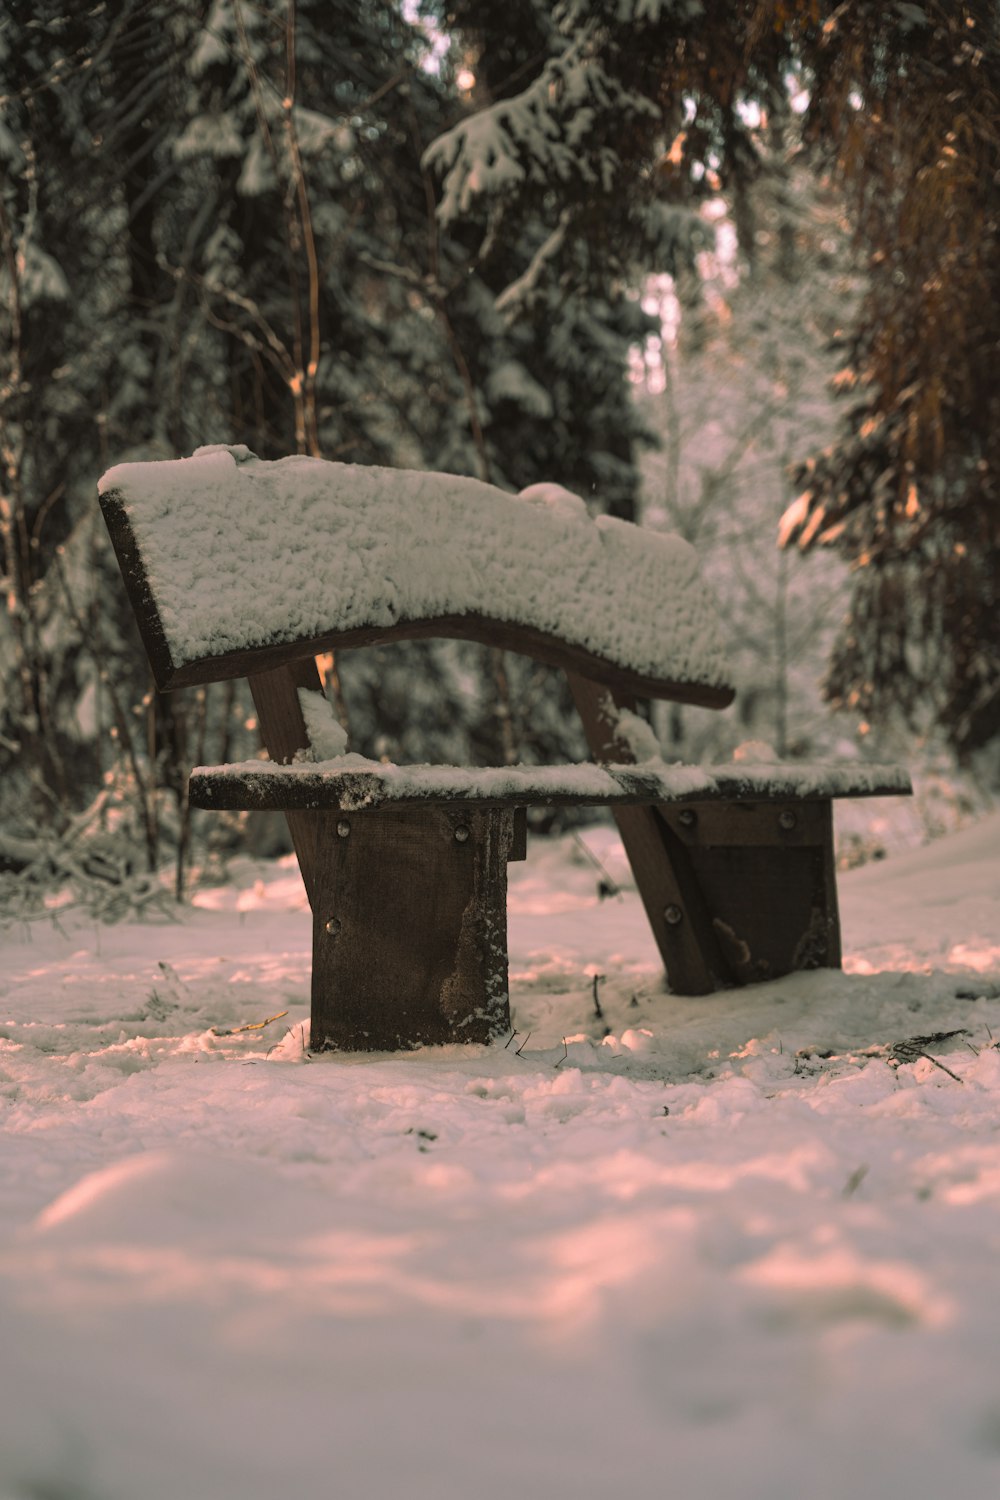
<point>735,892</point>
<point>764,873</point>
<point>410,928</point>
<point>678,913</point>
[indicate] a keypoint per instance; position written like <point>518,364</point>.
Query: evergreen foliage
<point>284,224</point>
<point>903,100</point>
<point>738,388</point>
<point>910,492</point>
<point>215,225</point>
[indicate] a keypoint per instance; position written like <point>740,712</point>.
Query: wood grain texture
<point>519,840</point>
<point>766,875</point>
<point>778,823</point>
<point>410,930</point>
<point>267,655</point>
<point>503,635</point>
<point>735,891</point>
<point>679,916</point>
<point>261,788</point>
<point>666,883</point>
<point>283,732</point>
<point>138,589</point>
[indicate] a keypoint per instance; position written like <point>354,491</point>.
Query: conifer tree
<point>631,105</point>
<point>217,226</point>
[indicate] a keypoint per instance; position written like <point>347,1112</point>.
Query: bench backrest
<point>236,566</point>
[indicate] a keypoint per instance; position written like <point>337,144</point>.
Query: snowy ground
<point>733,1248</point>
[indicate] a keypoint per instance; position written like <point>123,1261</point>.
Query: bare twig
<point>250,1026</point>
<point>609,884</point>
<point>942,1067</point>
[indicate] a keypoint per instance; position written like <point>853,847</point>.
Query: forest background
<point>726,268</point>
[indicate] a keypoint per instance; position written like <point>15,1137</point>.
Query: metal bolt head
<point>687,817</point>
<point>787,819</point>
<point>673,916</point>
<point>343,828</point>
<point>462,834</point>
<point>333,926</point>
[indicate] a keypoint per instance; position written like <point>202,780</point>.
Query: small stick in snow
<point>941,1066</point>
<point>855,1180</point>
<point>522,1046</point>
<point>565,1054</point>
<point>916,1046</point>
<point>250,1026</point>
<point>608,886</point>
<point>598,1012</point>
<point>992,1045</point>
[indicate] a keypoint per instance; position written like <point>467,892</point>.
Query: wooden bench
<point>239,567</point>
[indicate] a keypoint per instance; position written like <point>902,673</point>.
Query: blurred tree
<point>739,386</point>
<point>215,225</point>
<point>631,105</point>
<point>909,96</point>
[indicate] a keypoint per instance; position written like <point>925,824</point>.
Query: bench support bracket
<point>283,731</point>
<point>410,928</point>
<point>735,892</point>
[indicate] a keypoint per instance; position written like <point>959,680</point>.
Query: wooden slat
<point>767,824</point>
<point>502,635</point>
<point>663,874</point>
<point>140,593</point>
<point>678,914</point>
<point>598,709</point>
<point>261,787</point>
<point>829,886</point>
<point>519,841</point>
<point>268,654</point>
<point>283,731</point>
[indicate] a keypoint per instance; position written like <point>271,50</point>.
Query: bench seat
<point>259,786</point>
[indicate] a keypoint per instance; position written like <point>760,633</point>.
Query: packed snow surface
<point>746,1245</point>
<point>242,553</point>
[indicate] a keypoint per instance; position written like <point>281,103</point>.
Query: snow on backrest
<point>239,553</point>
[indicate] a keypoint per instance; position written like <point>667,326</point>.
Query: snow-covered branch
<point>537,137</point>
<point>514,294</point>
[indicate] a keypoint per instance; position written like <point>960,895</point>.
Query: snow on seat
<point>354,784</point>
<point>236,565</point>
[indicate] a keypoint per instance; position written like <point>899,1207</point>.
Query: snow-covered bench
<point>239,567</point>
